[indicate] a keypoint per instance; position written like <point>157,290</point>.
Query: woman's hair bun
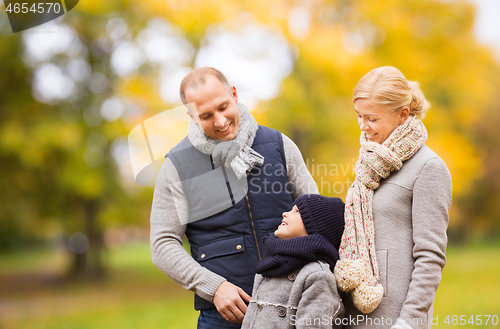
<point>418,105</point>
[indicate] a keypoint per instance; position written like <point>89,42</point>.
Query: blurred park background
<point>74,224</point>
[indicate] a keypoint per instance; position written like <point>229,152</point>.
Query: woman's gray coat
<point>410,214</point>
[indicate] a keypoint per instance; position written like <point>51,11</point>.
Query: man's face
<point>217,109</point>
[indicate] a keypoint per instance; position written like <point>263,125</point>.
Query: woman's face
<point>377,123</point>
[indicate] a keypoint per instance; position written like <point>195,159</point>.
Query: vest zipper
<point>228,186</point>
<point>251,222</point>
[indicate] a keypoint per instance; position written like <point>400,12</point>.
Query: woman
<point>393,247</point>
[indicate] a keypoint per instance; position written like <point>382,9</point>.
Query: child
<point>294,286</point>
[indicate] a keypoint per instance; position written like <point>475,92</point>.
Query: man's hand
<point>229,301</point>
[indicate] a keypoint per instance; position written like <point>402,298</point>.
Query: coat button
<point>282,312</point>
<point>238,247</point>
<point>292,276</point>
<point>202,256</point>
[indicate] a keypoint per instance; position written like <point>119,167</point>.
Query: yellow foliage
<point>430,41</point>
<point>461,157</point>
<point>12,136</point>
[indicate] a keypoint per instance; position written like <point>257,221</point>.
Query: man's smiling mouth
<point>223,130</point>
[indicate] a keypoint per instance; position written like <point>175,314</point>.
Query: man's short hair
<point>197,78</point>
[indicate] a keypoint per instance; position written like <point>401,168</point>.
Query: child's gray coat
<point>306,298</point>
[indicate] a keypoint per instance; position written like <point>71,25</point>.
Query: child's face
<point>291,225</point>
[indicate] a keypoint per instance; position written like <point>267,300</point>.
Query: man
<point>225,187</point>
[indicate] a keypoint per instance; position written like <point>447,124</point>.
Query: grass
<point>470,285</point>
<point>137,295</point>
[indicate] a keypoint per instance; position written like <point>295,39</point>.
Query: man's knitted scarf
<point>236,153</point>
<point>286,255</point>
<point>357,270</point>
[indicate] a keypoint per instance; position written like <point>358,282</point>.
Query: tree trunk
<point>88,265</point>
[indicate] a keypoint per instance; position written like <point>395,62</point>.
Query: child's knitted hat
<point>322,215</point>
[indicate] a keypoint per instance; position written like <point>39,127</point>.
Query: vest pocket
<point>226,257</point>
<point>219,248</point>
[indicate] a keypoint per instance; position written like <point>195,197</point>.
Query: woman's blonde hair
<point>387,88</point>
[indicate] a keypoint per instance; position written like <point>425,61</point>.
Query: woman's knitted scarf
<point>236,153</point>
<point>286,255</point>
<point>357,270</point>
